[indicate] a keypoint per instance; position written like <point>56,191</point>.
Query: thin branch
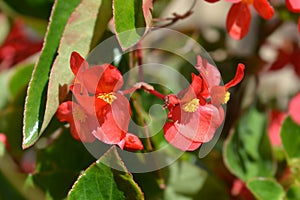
<point>176,17</point>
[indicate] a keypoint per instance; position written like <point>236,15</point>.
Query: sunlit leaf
<point>290,137</point>
<point>185,180</point>
<point>265,189</point>
<point>101,182</point>
<point>128,17</point>
<point>247,151</point>
<point>35,101</point>
<point>78,36</point>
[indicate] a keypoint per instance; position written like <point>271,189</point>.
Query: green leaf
<point>247,151</point>
<point>185,180</point>
<point>35,101</point>
<point>290,137</point>
<point>127,18</point>
<point>101,182</point>
<point>4,27</point>
<point>293,193</point>
<point>78,36</point>
<point>265,189</point>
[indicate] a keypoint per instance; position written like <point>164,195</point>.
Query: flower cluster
<point>196,112</point>
<point>98,111</point>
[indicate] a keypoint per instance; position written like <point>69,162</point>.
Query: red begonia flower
<point>192,121</point>
<point>219,94</point>
<point>81,123</point>
<point>112,109</point>
<point>17,46</point>
<point>239,16</point>
<point>96,91</point>
<point>293,5</point>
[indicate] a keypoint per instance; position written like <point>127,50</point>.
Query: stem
<point>139,56</point>
<point>160,180</point>
<point>145,86</point>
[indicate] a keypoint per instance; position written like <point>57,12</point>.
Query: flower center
<point>79,114</point>
<point>191,106</point>
<point>107,97</point>
<point>227,97</point>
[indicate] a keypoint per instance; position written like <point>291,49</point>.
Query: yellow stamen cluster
<point>227,97</point>
<point>79,114</point>
<point>107,97</point>
<point>191,106</point>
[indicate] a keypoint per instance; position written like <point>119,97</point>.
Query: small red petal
<point>77,62</point>
<point>264,8</point>
<point>177,140</point>
<point>102,79</point>
<point>64,112</point>
<point>293,5</point>
<point>238,20</point>
<point>209,72</point>
<point>133,143</point>
<point>276,120</point>
<point>294,108</point>
<point>239,75</point>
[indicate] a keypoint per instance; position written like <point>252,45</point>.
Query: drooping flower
<point>193,118</point>
<point>218,94</point>
<point>239,16</point>
<point>112,109</point>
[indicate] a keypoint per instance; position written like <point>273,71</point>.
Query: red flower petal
<point>239,75</point>
<point>197,89</point>
<point>80,130</point>
<point>200,126</point>
<point>238,20</point>
<point>264,8</point>
<point>294,108</point>
<point>77,63</point>
<point>209,72</point>
<point>102,79</point>
<point>64,112</point>
<point>293,5</point>
<point>133,143</point>
<point>114,120</point>
<point>276,120</point>
<point>177,140</point>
